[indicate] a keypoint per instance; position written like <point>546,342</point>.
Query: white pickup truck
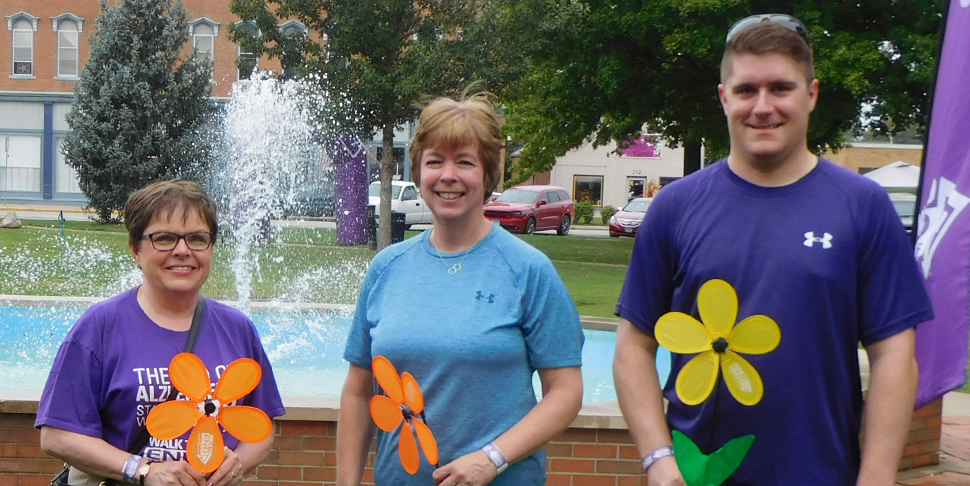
<point>405,198</point>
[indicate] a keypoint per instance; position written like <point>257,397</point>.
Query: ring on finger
<point>233,473</point>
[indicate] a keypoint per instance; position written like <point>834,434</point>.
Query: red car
<point>627,221</point>
<point>527,209</point>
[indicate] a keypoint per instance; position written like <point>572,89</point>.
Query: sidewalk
<point>954,466</point>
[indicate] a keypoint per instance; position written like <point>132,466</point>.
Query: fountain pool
<point>304,346</point>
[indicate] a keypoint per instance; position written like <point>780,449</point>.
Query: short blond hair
<point>453,124</point>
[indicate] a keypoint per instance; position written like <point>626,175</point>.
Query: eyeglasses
<point>784,20</point>
<point>166,241</point>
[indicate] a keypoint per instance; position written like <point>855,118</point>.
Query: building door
<point>635,187</point>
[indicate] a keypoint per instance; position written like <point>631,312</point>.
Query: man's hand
<point>473,469</point>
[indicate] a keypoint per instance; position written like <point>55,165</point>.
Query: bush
<point>606,213</point>
<point>584,212</point>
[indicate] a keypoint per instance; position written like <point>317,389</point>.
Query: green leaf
<point>699,469</point>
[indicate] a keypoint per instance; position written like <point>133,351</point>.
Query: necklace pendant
<point>454,269</point>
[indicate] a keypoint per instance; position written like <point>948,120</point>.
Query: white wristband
<point>495,455</point>
<point>656,455</point>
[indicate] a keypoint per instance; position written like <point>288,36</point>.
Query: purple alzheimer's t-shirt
<point>112,369</point>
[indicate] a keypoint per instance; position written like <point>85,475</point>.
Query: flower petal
<point>428,444</point>
<point>717,303</point>
<point>755,335</point>
<point>408,450</point>
<point>681,333</point>
<point>205,449</point>
<point>387,377</point>
<point>171,419</point>
<point>742,379</point>
<point>697,378</point>
<point>248,424</point>
<point>189,376</point>
<point>412,393</point>
<point>385,412</point>
<point>240,378</point>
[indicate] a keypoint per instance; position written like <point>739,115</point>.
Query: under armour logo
<point>944,204</point>
<point>825,240</point>
<point>480,296</point>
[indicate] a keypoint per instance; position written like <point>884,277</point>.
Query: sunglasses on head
<point>785,20</point>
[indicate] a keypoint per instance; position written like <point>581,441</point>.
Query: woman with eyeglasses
<point>112,367</point>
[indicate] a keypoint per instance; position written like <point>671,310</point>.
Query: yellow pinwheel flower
<point>718,341</point>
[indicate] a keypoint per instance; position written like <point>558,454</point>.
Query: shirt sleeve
<point>648,287</point>
<point>266,396</point>
<point>71,397</point>
<point>551,327</point>
<point>892,296</point>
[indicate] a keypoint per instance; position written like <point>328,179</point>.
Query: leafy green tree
<point>606,68</point>
<point>380,57</point>
<point>140,105</point>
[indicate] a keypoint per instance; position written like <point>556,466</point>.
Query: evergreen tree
<point>140,106</point>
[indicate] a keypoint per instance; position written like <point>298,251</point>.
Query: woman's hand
<point>173,473</point>
<point>664,472</point>
<point>230,472</point>
<point>473,469</point>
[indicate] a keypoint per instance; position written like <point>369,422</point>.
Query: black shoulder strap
<point>189,347</point>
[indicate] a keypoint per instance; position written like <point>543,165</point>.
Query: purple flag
<point>943,242</point>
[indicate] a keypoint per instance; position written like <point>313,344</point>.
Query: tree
<point>139,106</point>
<point>380,56</point>
<point>613,66</point>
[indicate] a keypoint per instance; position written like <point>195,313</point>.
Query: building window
<point>20,168</point>
<point>645,146</point>
<point>203,42</point>
<point>290,60</point>
<point>246,61</point>
<point>23,48</point>
<point>66,181</point>
<point>67,48</point>
<point>588,188</point>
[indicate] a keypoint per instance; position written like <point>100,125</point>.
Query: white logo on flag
<point>825,240</point>
<point>206,441</point>
<point>939,212</point>
<point>965,3</point>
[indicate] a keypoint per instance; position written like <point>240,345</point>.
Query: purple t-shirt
<point>112,369</point>
<point>828,260</point>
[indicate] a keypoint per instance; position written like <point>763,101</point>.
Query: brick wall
<point>596,451</point>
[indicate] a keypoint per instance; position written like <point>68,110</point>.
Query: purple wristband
<point>130,471</point>
<point>656,455</point>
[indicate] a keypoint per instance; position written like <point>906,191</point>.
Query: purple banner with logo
<point>943,241</point>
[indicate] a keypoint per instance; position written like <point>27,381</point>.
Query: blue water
<point>305,348</point>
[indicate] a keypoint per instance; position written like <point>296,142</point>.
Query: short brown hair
<point>454,124</point>
<point>169,197</point>
<point>769,37</point>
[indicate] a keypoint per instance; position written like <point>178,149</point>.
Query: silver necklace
<point>453,269</point>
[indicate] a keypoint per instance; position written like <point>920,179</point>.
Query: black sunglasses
<point>785,20</point>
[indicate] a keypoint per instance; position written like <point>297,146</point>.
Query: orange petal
<point>240,378</point>
<point>385,412</point>
<point>412,393</point>
<point>205,449</point>
<point>408,450</point>
<point>172,419</point>
<point>428,444</point>
<point>387,377</point>
<point>248,424</point>
<point>189,376</point>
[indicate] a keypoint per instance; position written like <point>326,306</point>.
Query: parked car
<point>527,209</point>
<point>405,198</point>
<point>627,221</point>
<point>905,205</point>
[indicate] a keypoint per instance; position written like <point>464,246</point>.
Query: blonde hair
<point>453,124</point>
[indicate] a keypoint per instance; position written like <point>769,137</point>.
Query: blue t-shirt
<point>827,258</point>
<point>472,340</point>
<point>112,369</point>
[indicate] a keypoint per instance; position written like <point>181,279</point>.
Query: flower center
<point>210,407</point>
<point>406,411</point>
<point>720,345</point>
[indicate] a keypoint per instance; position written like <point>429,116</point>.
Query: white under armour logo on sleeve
<point>825,240</point>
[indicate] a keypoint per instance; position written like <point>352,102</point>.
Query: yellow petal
<point>697,378</point>
<point>717,303</point>
<point>205,448</point>
<point>755,335</point>
<point>171,419</point>
<point>742,379</point>
<point>189,376</point>
<point>240,378</point>
<point>248,424</point>
<point>681,333</point>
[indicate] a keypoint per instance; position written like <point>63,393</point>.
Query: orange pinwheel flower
<point>207,411</point>
<point>404,405</point>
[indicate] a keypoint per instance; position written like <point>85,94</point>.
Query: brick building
<point>42,53</point>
